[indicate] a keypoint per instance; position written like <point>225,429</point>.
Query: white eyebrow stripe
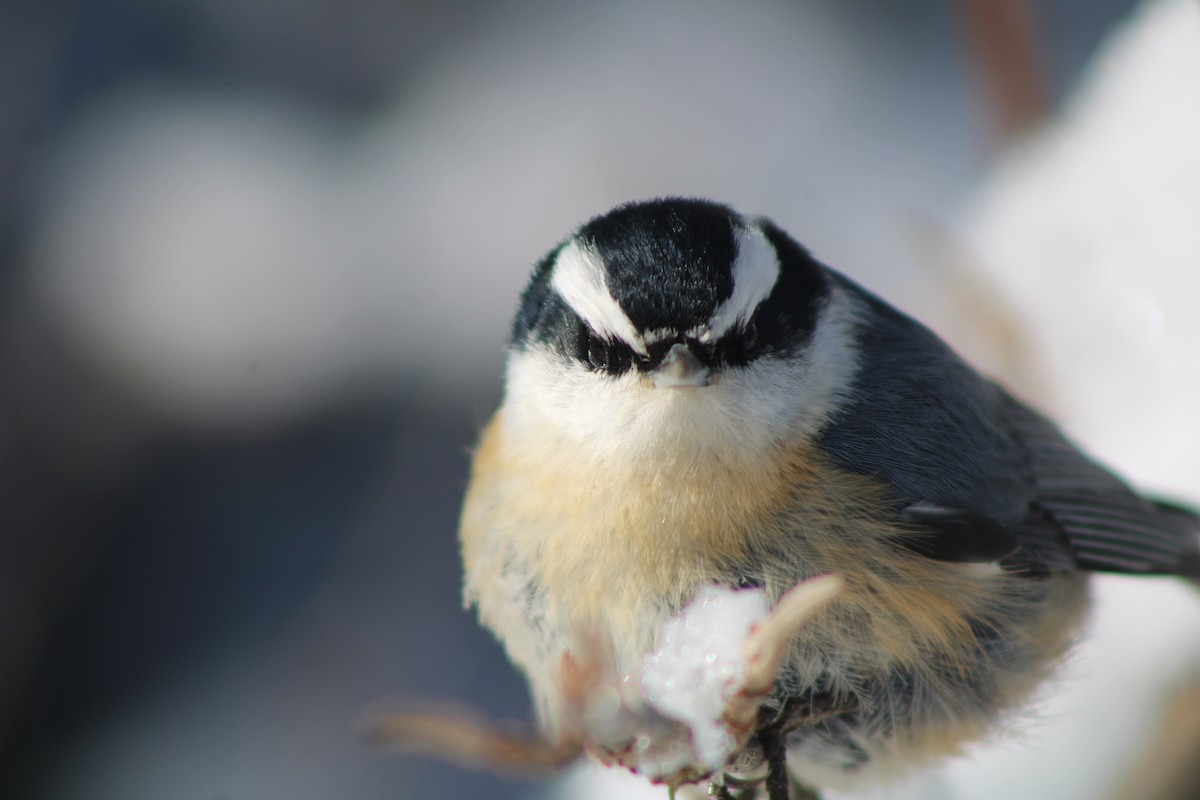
<point>579,280</point>
<point>755,273</point>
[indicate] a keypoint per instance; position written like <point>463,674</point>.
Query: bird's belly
<point>566,553</point>
<point>608,538</point>
<point>564,556</point>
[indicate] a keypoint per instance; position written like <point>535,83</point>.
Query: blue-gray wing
<point>1107,525</point>
<point>942,436</point>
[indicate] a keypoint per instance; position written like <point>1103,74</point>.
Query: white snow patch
<point>699,665</point>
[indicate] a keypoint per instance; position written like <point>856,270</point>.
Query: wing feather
<point>1107,525</point>
<point>929,426</point>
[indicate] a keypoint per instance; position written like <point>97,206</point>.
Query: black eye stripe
<point>750,336</point>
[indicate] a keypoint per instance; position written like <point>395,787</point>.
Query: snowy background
<point>257,267</point>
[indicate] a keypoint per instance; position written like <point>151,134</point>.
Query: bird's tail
<point>1188,520</point>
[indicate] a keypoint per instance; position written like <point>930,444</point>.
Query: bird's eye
<point>612,357</point>
<point>597,352</point>
<point>739,347</point>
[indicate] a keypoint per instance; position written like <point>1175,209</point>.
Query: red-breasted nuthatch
<point>692,399</point>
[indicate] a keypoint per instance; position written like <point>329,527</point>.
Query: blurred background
<point>257,263</point>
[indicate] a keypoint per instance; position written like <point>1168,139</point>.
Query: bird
<point>691,398</point>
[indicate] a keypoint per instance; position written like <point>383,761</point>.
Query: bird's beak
<point>679,368</point>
